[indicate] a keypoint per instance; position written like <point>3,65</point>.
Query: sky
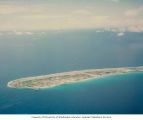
<point>40,15</point>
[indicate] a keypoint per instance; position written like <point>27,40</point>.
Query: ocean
<point>43,53</point>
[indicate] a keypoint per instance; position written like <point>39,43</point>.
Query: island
<point>52,80</point>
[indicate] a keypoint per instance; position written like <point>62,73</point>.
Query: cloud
<point>14,9</point>
<point>82,12</point>
<point>11,9</point>
<point>115,1</point>
<point>135,28</point>
<point>18,33</point>
<point>1,34</point>
<point>120,34</point>
<point>42,17</point>
<point>21,33</point>
<point>29,33</point>
<point>99,31</point>
<point>134,12</point>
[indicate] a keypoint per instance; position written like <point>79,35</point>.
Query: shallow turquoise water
<point>118,94</point>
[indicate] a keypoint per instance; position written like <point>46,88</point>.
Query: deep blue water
<point>58,51</point>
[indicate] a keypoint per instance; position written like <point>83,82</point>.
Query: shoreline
<point>58,79</point>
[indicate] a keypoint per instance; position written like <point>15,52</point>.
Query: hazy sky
<point>31,15</point>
